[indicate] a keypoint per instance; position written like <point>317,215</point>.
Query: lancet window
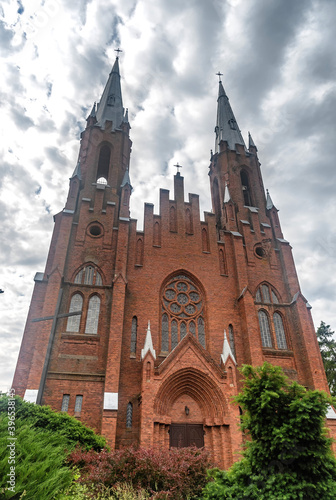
<point>76,304</point>
<point>182,312</point>
<point>93,315</point>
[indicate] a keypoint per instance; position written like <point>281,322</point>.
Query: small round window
<point>95,230</point>
<point>260,252</point>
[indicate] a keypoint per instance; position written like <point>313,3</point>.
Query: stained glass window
<point>78,404</point>
<point>65,402</point>
<point>165,333</point>
<point>265,293</point>
<point>174,337</point>
<point>76,304</point>
<point>93,315</point>
<point>265,333</point>
<point>279,331</point>
<point>182,312</point>
<point>201,332</point>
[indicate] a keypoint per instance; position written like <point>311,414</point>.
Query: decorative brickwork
<point>191,278</point>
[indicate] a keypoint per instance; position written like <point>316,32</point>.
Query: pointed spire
<point>77,172</point>
<point>125,118</point>
<point>93,110</point>
<point>148,344</point>
<point>227,196</point>
<point>126,180</point>
<point>251,142</point>
<point>269,202</point>
<point>226,126</point>
<point>227,351</point>
<point>110,106</point>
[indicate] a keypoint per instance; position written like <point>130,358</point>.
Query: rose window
<point>182,312</point>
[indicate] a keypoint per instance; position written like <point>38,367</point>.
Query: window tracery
<point>88,275</point>
<point>266,294</point>
<point>182,311</point>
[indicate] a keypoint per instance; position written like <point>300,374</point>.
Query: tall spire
<point>226,127</point>
<point>110,106</point>
<point>269,202</point>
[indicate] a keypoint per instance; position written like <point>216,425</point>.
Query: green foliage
<point>43,417</point>
<point>40,462</point>
<point>327,344</point>
<point>288,456</point>
<point>176,474</point>
<point>79,491</point>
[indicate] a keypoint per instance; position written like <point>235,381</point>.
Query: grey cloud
<point>20,118</point>
<point>55,155</point>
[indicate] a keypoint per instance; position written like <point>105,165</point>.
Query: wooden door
<point>183,435</point>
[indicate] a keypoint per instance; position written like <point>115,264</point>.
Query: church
<point>140,333</point>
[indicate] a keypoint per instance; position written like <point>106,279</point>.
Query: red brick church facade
<point>126,327</point>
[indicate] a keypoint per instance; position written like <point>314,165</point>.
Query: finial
<point>219,74</point>
<point>117,51</point>
<point>178,166</point>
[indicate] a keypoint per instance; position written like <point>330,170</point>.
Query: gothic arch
<point>261,294</point>
<point>182,310</point>
<point>196,384</point>
<point>82,275</point>
<point>104,160</point>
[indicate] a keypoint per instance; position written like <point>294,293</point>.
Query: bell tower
<point>236,184</point>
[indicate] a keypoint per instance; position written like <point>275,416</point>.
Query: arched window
<point>93,315</point>
<point>246,188</point>
<point>129,415</point>
<point>205,240</point>
<point>172,220</point>
<point>134,334</point>
<point>231,340</point>
<point>76,304</point>
<point>265,333</point>
<point>266,294</point>
<point>174,334</point>
<point>88,275</point>
<point>103,164</point>
<point>201,331</point>
<point>165,333</point>
<point>182,312</point>
<point>279,331</point>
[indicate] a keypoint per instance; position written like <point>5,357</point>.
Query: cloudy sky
<point>279,63</point>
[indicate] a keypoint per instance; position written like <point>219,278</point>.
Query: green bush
<point>43,417</point>
<point>40,462</point>
<point>165,474</point>
<point>288,456</point>
<point>79,491</point>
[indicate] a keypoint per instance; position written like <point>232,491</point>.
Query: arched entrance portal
<point>190,409</point>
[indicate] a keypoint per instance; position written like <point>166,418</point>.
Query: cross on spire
<point>177,166</point>
<point>219,74</point>
<point>117,51</point>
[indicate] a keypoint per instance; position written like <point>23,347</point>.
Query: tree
<point>287,455</point>
<point>327,343</point>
